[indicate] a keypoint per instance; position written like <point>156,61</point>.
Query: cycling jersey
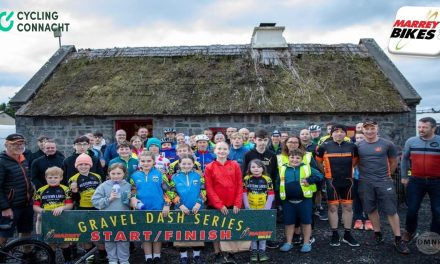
<point>51,197</point>
<point>257,190</point>
<point>86,187</point>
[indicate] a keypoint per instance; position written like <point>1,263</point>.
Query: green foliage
<point>7,109</point>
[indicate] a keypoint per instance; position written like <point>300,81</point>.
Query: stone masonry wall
<point>394,126</point>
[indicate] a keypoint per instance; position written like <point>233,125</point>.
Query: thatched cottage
<point>267,83</point>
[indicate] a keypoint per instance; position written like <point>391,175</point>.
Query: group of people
<point>226,172</point>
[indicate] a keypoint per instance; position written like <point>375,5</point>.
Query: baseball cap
<point>276,133</point>
<point>369,122</point>
<point>15,138</point>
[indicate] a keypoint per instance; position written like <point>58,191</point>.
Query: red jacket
<point>224,184</point>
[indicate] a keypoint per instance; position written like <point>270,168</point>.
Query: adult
<point>306,141</point>
<point>245,132</point>
<point>51,158</point>
<point>229,132</point>
<point>377,161</point>
<point>110,151</point>
<point>219,137</point>
<point>315,133</point>
<point>15,189</point>
<point>210,134</point>
<point>284,136</point>
<point>40,152</point>
<point>143,133</point>
<point>338,158</point>
<point>420,155</point>
<point>275,142</point>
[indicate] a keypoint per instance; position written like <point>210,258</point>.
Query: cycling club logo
<point>416,31</point>
<point>6,23</point>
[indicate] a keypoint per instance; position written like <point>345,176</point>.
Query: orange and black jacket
<point>338,159</point>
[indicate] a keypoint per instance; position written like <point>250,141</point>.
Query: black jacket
<point>16,188</point>
<point>70,170</point>
<point>41,164</point>
<point>268,158</point>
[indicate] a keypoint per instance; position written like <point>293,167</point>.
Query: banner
<point>151,226</point>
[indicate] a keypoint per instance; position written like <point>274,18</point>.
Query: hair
<point>117,165</point>
<point>259,164</point>
<point>261,133</point>
<point>50,141</point>
<point>124,144</point>
<point>147,154</point>
<point>208,129</point>
<point>359,133</point>
<point>297,152</point>
<point>133,138</point>
<point>183,146</point>
<point>286,151</point>
<point>220,134</point>
<point>42,138</point>
<point>429,120</point>
<point>98,134</point>
<point>221,142</point>
<point>139,128</point>
<point>81,139</point>
<point>186,156</point>
<point>54,170</point>
<point>235,135</point>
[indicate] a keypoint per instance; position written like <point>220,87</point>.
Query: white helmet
<point>201,137</point>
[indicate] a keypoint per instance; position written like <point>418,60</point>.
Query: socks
<point>335,232</point>
<point>156,255</point>
<point>347,232</point>
<point>184,254</point>
<point>149,256</point>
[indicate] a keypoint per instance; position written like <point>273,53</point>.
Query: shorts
<point>339,193</point>
<point>378,195</point>
<point>23,222</point>
<point>294,212</point>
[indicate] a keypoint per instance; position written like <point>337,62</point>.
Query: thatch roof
<point>233,79</point>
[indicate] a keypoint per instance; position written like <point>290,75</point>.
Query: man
<point>421,156</point>
<point>229,132</point>
<point>143,134</point>
<point>210,134</point>
<point>306,141</point>
<point>315,133</point>
<point>110,151</point>
<point>40,152</point>
<point>51,158</point>
<point>275,142</point>
<point>15,189</point>
<point>377,161</point>
<point>284,136</point>
<point>245,132</point>
<point>339,157</point>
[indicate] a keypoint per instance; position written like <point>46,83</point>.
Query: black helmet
<point>169,130</point>
<point>166,140</point>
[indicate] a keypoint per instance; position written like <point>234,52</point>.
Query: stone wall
<point>394,126</point>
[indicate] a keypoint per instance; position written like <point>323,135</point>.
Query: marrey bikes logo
<point>416,31</point>
<point>9,22</point>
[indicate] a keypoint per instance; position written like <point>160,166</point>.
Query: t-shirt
<point>257,190</point>
<point>51,197</point>
<point>374,159</point>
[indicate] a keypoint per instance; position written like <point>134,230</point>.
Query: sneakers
<point>157,260</point>
<point>254,256</point>
<point>335,241</point>
<point>183,260</point>
<point>378,239</point>
<point>219,258</point>
<point>358,225</point>
<point>402,247</point>
<point>230,258</point>
<point>368,225</point>
<point>286,247</point>
<point>323,216</point>
<point>349,239</point>
<point>198,260</point>
<point>272,244</point>
<point>262,255</point>
<point>409,237</point>
<point>149,261</point>
<point>306,248</point>
<point>296,240</point>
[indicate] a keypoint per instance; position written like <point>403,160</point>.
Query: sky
<point>137,23</point>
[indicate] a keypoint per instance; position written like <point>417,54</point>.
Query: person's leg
<point>347,215</point>
<point>157,246</point>
<point>333,217</point>
<point>434,197</point>
<point>148,250</point>
<point>288,230</point>
<point>123,251</point>
<point>395,223</point>
<point>307,232</point>
<point>112,253</point>
<point>415,192</point>
<point>375,220</point>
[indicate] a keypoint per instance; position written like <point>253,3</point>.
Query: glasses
<point>81,144</point>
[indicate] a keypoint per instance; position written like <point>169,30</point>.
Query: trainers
<point>157,260</point>
<point>286,247</point>
<point>349,239</point>
<point>306,248</point>
<point>219,258</point>
<point>272,244</point>
<point>149,261</point>
<point>262,255</point>
<point>198,260</point>
<point>368,225</point>
<point>296,240</point>
<point>254,256</point>
<point>378,239</point>
<point>402,247</point>
<point>230,258</point>
<point>335,241</point>
<point>183,260</point>
<point>358,225</point>
<point>409,237</point>
<point>323,216</point>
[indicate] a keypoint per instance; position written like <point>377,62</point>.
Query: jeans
<point>416,190</point>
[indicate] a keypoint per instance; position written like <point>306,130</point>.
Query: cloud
<point>6,92</point>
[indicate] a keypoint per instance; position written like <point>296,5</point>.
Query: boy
<point>168,149</point>
<point>53,197</point>
<point>237,150</point>
<point>174,167</point>
<point>124,152</point>
<point>203,155</point>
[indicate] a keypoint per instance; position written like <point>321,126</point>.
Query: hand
<point>165,210</point>
<point>224,210</point>
<point>235,210</point>
<point>74,187</point>
<point>184,209</point>
<point>113,196</point>
<point>404,181</point>
<point>58,211</point>
<point>196,208</point>
<point>305,182</point>
<point>8,213</point>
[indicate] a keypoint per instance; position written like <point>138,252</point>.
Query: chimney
<point>267,35</point>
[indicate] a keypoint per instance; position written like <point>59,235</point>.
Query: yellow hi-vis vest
<point>304,172</point>
<point>284,159</point>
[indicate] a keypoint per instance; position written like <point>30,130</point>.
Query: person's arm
<point>108,153</point>
<point>315,176</point>
<point>270,195</point>
<point>238,185</point>
<point>392,157</point>
<point>35,175</point>
<point>4,203</point>
<point>213,198</point>
<point>99,199</point>
<point>245,194</point>
<point>320,157</point>
<point>405,163</point>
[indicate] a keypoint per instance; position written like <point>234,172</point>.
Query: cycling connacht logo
<point>416,31</point>
<point>8,23</point>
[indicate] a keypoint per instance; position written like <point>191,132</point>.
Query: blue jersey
<point>238,154</point>
<point>204,158</point>
<point>188,189</point>
<point>150,188</point>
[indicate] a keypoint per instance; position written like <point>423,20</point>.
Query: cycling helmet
<point>201,137</point>
<point>166,140</point>
<point>314,128</point>
<point>169,130</point>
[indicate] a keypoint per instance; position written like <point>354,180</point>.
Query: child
<point>182,150</point>
<point>125,158</point>
<point>114,195</point>
<point>224,188</point>
<point>83,185</point>
<point>204,156</point>
<point>188,194</point>
<point>151,188</point>
<point>257,194</point>
<point>237,150</point>
<point>297,185</point>
<point>161,163</point>
<point>53,197</point>
<point>168,149</point>
<point>138,146</point>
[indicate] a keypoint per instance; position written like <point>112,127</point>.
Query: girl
<point>161,163</point>
<point>138,146</point>
<point>188,194</point>
<point>258,194</point>
<point>114,195</point>
<point>151,188</point>
<point>224,188</point>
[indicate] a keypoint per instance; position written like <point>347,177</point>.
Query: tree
<point>7,109</point>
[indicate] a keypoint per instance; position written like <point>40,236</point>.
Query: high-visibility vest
<point>284,159</point>
<point>304,172</point>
